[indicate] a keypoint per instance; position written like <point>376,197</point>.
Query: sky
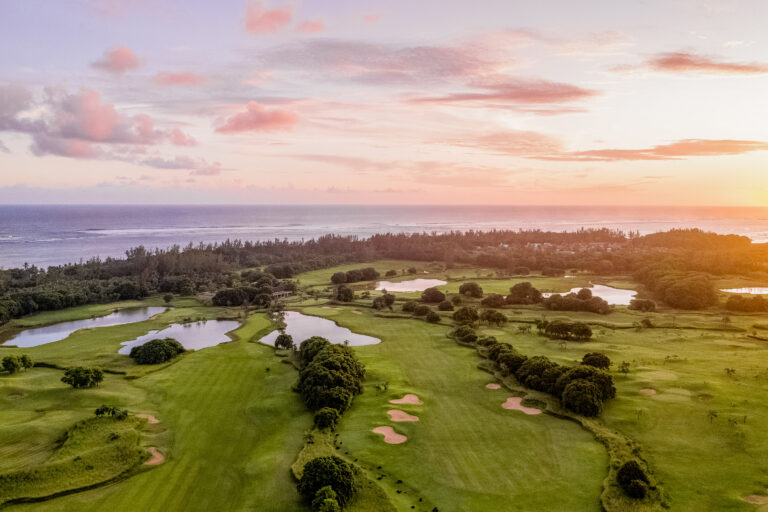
<point>384,102</point>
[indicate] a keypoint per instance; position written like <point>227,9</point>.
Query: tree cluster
<point>355,276</point>
<point>754,304</point>
<point>156,351</point>
<point>13,364</point>
<point>322,473</point>
<point>581,301</point>
<point>569,331</point>
<point>82,378</point>
<point>331,375</point>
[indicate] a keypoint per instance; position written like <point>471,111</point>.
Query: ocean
<point>51,235</point>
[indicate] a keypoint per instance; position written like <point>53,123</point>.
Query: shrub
<point>344,293</point>
<point>582,397</point>
<point>112,412</point>
<point>156,351</point>
<point>597,360</point>
<point>391,273</point>
<point>331,471</point>
<point>432,295</point>
<point>410,306</point>
<point>465,315</point>
<point>471,289</point>
<point>456,300</point>
<point>433,317</point>
<point>465,334</point>
<point>493,300</point>
<point>485,341</point>
<point>421,310</point>
<point>632,479</point>
<point>81,378</point>
<point>168,297</point>
<point>445,306</point>
<point>284,341</point>
<point>645,305</point>
<point>493,317</point>
<point>327,417</point>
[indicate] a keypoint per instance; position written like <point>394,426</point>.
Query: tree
<point>156,351</point>
<point>391,273</point>
<point>168,297</point>
<point>493,300</point>
<point>410,306</point>
<point>11,364</point>
<point>421,310</point>
<point>445,306</point>
<point>632,479</point>
<point>471,289</point>
<point>456,300</point>
<point>601,379</point>
<point>523,293</point>
<point>432,317</point>
<point>81,378</point>
<point>112,412</point>
<point>331,471</point>
<point>465,315</point>
<point>432,295</point>
<point>326,500</point>
<point>339,278</point>
<point>344,294</point>
<point>644,305</point>
<point>572,331</point>
<point>327,417</point>
<point>597,360</point>
<point>284,341</point>
<point>582,397</point>
<point>493,317</point>
<point>465,334</point>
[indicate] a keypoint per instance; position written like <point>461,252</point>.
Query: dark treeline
<point>210,267</point>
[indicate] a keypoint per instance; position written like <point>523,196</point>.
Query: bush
<point>597,360</point>
<point>471,289</point>
<point>13,364</point>
<point>81,378</point>
<point>445,306</point>
<point>465,334</point>
<point>331,471</point>
<point>493,317</point>
<point>284,341</point>
<point>633,480</point>
<point>456,300</point>
<point>167,298</point>
<point>644,305</point>
<point>432,295</point>
<point>421,310</point>
<point>574,331</point>
<point>156,351</point>
<point>582,397</point>
<point>391,273</point>
<point>465,315</point>
<point>433,317</point>
<point>410,306</point>
<point>327,417</point>
<point>344,294</point>
<point>493,300</point>
<point>112,412</point>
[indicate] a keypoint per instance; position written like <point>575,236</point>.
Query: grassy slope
<point>233,429</point>
<point>466,452</point>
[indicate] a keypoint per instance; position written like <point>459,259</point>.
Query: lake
<point>757,290</point>
<point>412,285</point>
<point>60,331</point>
<point>614,296</point>
<point>193,336</point>
<point>301,327</point>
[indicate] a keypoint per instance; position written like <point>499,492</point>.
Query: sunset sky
<point>384,102</point>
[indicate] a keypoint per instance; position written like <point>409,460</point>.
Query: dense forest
<point>661,261</point>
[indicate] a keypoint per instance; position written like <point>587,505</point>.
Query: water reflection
<point>301,327</point>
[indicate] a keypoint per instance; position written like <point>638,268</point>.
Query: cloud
<point>4,148</point>
<point>119,60</point>
<point>674,151</point>
<point>515,91</point>
<point>684,62</point>
<point>196,166</point>
<point>259,21</point>
<point>513,142</point>
<point>172,79</point>
<point>371,18</point>
<point>258,118</point>
<point>310,27</point>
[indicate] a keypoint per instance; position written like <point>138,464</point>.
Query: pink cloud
<point>258,118</point>
<point>259,21</point>
<point>681,62</point>
<point>172,79</point>
<point>515,91</point>
<point>514,142</point>
<point>119,60</point>
<point>674,151</point>
<point>310,27</point>
<point>179,138</point>
<point>371,18</point>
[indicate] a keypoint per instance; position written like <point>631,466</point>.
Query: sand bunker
<point>514,403</point>
<point>357,312</point>
<point>397,415</point>
<point>407,399</point>
<point>493,385</point>
<point>390,436</point>
<point>149,418</point>
<point>648,391</point>
<point>756,499</point>
<point>156,458</point>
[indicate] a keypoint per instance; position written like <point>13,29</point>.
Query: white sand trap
<point>493,385</point>
<point>149,418</point>
<point>397,415</point>
<point>407,399</point>
<point>156,458</point>
<point>390,436</point>
<point>756,499</point>
<point>514,403</point>
<point>648,391</point>
<point>357,312</point>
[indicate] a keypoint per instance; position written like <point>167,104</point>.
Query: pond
<point>301,327</point>
<point>193,336</point>
<point>413,285</point>
<point>757,290</point>
<point>614,296</point>
<point>57,332</point>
